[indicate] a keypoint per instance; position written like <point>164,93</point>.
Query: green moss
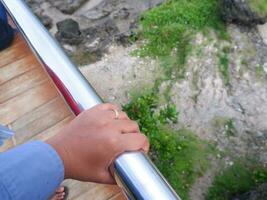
<point>235,180</point>
<point>227,125</point>
<point>230,128</point>
<point>195,79</point>
<point>180,155</point>
<point>169,28</point>
<point>224,68</point>
<point>259,71</point>
<point>166,26</point>
<point>259,6</point>
<point>83,58</point>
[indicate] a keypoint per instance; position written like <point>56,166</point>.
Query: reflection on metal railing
<point>134,171</point>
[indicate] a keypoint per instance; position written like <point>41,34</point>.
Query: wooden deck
<point>31,106</point>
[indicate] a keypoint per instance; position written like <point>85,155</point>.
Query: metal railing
<point>134,172</point>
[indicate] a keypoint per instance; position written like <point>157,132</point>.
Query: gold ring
<point>116,113</point>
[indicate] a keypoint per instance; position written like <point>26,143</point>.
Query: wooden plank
<point>39,120</point>
<point>18,106</point>
<point>17,40</point>
<point>53,130</point>
<point>22,83</point>
<point>101,192</point>
<point>76,188</point>
<point>31,106</point>
<point>14,52</point>
<point>17,68</point>
<point>118,196</point>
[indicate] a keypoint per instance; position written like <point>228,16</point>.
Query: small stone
<point>96,14</point>
<point>122,13</point>
<point>69,32</point>
<point>47,21</point>
<point>240,12</point>
<point>263,32</point>
<point>67,6</point>
<point>69,48</point>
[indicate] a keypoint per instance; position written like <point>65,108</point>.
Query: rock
<point>97,38</point>
<point>96,14</point>
<point>69,32</point>
<point>263,32</point>
<point>47,21</point>
<point>103,21</point>
<point>67,6</point>
<point>259,193</point>
<point>123,13</point>
<point>241,12</point>
<point>39,12</point>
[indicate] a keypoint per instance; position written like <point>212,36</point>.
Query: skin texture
<point>59,194</point>
<point>90,143</point>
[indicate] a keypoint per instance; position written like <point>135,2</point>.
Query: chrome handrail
<point>134,172</point>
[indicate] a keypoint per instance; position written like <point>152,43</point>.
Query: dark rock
<point>123,13</point>
<point>240,12</point>
<point>47,21</point>
<point>39,12</point>
<point>100,36</point>
<point>69,32</point>
<point>67,6</point>
<point>259,193</point>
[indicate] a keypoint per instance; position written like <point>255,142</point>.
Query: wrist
<point>55,143</point>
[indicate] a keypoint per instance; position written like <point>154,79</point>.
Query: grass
<point>235,180</point>
<point>227,125</point>
<point>259,71</point>
<point>224,68</point>
<point>230,129</point>
<point>181,156</point>
<point>169,28</point>
<point>259,6</point>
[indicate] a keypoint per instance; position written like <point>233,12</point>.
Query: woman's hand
<point>91,142</point>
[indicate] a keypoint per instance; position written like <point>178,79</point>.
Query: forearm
<point>31,171</point>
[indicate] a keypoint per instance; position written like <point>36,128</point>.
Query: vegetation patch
<point>259,6</point>
<point>224,65</point>
<point>168,29</point>
<point>260,73</point>
<point>235,180</point>
<point>181,156</point>
<point>227,125</point>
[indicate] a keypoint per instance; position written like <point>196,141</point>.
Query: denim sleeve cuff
<point>31,171</point>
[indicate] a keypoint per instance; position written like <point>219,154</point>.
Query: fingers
<point>60,189</point>
<point>107,178</point>
<point>111,108</point>
<point>108,106</point>
<point>122,115</point>
<point>134,142</point>
<point>126,126</point>
<point>128,142</point>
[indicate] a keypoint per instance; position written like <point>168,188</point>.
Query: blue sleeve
<point>31,171</point>
<point>3,14</point>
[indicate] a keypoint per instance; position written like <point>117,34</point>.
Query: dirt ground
<point>204,102</point>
